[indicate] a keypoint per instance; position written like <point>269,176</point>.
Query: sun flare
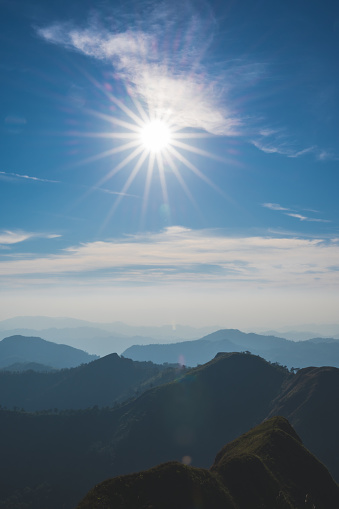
<point>153,142</point>
<point>155,136</point>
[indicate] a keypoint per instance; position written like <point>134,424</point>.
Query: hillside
<point>193,417</point>
<point>314,352</point>
<point>310,401</point>
<point>22,349</point>
<point>103,382</point>
<point>269,461</point>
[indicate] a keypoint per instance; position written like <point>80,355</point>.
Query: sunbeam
<point>156,138</point>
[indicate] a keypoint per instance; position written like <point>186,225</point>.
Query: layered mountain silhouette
<point>95,337</point>
<point>103,382</point>
<point>313,352</point>
<point>52,460</point>
<point>91,339</point>
<point>266,468</point>
<point>22,349</point>
<point>19,367</point>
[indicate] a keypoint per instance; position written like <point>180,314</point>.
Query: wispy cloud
<point>303,152</point>
<point>280,141</point>
<point>274,206</point>
<point>114,193</point>
<point>293,213</point>
<point>9,237</point>
<point>276,146</point>
<point>180,254</point>
<point>327,155</point>
<point>166,72</point>
<point>305,218</point>
<point>7,174</point>
<point>164,60</point>
<point>14,237</point>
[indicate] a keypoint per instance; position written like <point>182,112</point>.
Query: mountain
<point>53,459</point>
<point>269,461</point>
<point>61,456</point>
<point>316,352</point>
<point>103,382</point>
<point>322,330</point>
<point>41,322</point>
<point>310,401</point>
<point>291,335</point>
<point>21,349</point>
<point>93,340</point>
<point>20,367</point>
<point>162,333</point>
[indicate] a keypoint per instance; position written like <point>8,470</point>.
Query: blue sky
<point>234,223</point>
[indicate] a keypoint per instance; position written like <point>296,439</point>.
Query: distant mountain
<point>52,460</point>
<point>305,331</point>
<point>19,367</point>
<point>316,352</point>
<point>291,335</point>
<point>59,334</point>
<point>120,329</point>
<point>324,340</point>
<point>163,333</point>
<point>92,340</point>
<point>103,382</point>
<point>22,349</point>
<point>41,322</point>
<point>266,468</point>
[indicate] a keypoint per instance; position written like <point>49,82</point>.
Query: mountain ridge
<point>106,381</point>
<point>269,460</point>
<point>20,349</point>
<point>191,417</point>
<point>318,351</point>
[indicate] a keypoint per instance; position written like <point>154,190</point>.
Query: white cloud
<point>279,147</point>
<point>274,206</point>
<point>183,255</point>
<point>292,213</point>
<point>279,141</point>
<point>26,177</point>
<point>8,237</point>
<point>326,155</point>
<point>172,82</point>
<point>172,74</point>
<point>303,152</point>
<point>309,219</point>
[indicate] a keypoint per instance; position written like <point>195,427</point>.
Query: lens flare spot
<point>187,460</point>
<point>181,360</point>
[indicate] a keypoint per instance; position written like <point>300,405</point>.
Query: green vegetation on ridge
<point>266,468</point>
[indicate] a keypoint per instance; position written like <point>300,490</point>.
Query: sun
<point>155,136</point>
<point>154,140</point>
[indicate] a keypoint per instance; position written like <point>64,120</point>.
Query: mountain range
<point>96,337</point>
<point>105,338</point>
<point>102,382</point>
<point>313,352</point>
<point>22,349</point>
<point>267,468</point>
<point>53,459</point>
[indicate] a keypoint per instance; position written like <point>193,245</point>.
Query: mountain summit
<point>22,349</point>
<point>266,468</point>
